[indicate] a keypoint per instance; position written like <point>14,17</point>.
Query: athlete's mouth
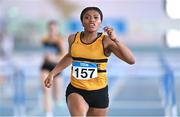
<point>91,25</point>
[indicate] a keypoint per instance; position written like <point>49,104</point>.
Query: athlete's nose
<point>91,19</point>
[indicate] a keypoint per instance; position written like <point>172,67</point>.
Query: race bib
<point>84,70</point>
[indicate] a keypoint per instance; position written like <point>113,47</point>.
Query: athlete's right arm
<point>62,64</point>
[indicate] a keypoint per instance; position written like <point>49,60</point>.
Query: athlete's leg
<point>77,105</point>
<point>46,93</point>
<point>2,79</point>
<point>57,88</point>
<point>97,112</point>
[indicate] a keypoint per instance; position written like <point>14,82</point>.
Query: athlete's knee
<point>77,111</point>
<point>97,112</point>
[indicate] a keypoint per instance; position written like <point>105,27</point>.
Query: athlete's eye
<point>96,17</point>
<point>87,17</point>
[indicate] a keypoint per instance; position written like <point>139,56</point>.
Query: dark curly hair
<point>91,8</point>
<point>52,22</point>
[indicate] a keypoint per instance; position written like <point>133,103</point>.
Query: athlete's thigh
<point>57,83</point>
<point>44,74</point>
<point>77,105</point>
<point>97,111</point>
<point>57,88</point>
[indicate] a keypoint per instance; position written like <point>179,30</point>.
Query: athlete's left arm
<point>61,47</point>
<point>117,47</point>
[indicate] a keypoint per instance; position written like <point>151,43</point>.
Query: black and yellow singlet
<point>89,64</point>
<point>51,47</point>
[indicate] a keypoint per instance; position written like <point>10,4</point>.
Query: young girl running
<point>87,92</point>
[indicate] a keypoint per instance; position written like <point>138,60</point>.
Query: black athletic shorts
<point>95,98</point>
<point>49,66</point>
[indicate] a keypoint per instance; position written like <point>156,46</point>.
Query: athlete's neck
<point>89,37</point>
<point>53,36</point>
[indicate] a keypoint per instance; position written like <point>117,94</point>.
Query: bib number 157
<point>84,73</point>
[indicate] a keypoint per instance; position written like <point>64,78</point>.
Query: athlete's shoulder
<point>107,43</point>
<point>45,39</point>
<point>106,38</point>
<point>72,37</point>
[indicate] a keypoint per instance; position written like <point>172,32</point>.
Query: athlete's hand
<point>110,32</point>
<point>48,81</point>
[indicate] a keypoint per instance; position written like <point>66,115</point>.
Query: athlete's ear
<point>82,23</point>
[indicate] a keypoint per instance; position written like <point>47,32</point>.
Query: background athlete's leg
<point>97,112</point>
<point>57,89</point>
<point>77,105</point>
<point>46,93</point>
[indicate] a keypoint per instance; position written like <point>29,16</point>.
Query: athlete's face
<point>53,29</point>
<point>91,21</point>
